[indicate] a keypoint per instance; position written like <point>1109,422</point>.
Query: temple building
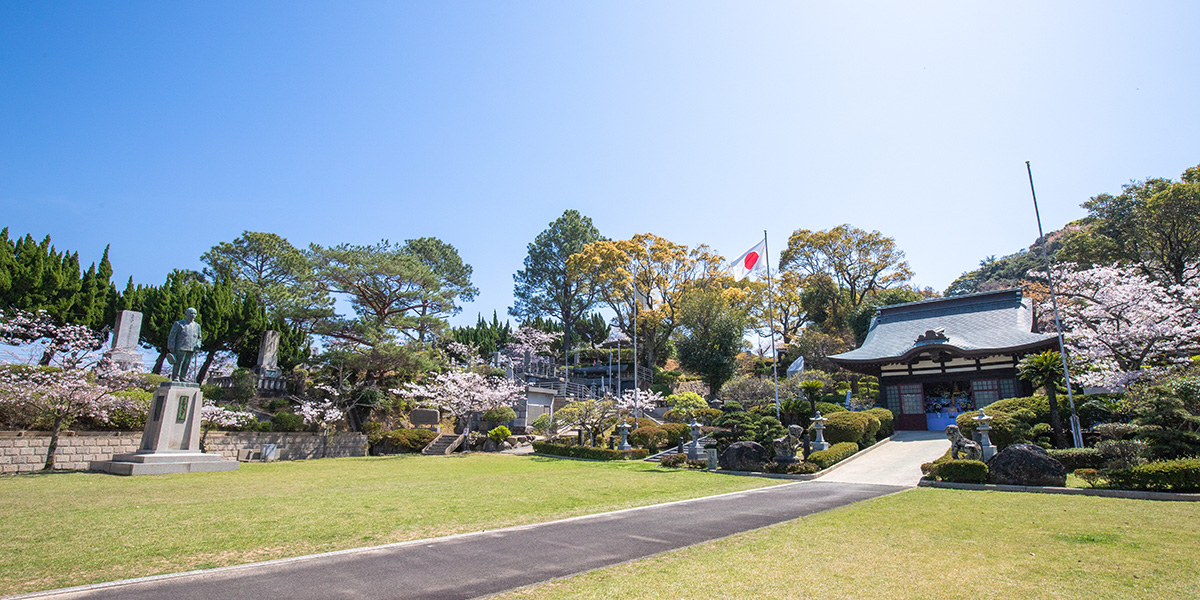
<point>937,358</point>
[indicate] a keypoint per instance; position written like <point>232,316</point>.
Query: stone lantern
<point>624,429</point>
<point>818,428</point>
<point>694,448</point>
<point>983,428</point>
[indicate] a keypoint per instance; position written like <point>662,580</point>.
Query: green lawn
<point>67,529</point>
<point>930,544</point>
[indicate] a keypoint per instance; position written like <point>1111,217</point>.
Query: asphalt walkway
<point>489,562</point>
<point>894,462</point>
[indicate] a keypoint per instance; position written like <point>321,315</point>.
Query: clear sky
<point>163,128</point>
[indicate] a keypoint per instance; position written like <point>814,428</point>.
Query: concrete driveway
<point>894,462</point>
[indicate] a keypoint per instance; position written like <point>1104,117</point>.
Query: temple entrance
<point>944,401</point>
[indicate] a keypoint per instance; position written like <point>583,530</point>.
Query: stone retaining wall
<point>22,451</point>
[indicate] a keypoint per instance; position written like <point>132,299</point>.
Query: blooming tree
<point>462,393</point>
<point>212,416</point>
<point>529,341</point>
<point>324,414</point>
<point>1123,324</point>
<point>77,386</point>
<point>644,398</point>
<point>588,415</point>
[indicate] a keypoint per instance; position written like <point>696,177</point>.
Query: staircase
<point>444,444</point>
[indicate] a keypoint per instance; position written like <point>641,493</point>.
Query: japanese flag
<point>753,260</point>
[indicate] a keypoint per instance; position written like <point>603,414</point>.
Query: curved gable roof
<point>971,325</point>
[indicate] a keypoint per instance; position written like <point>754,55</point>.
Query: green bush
<point>673,431</point>
<point>887,421</point>
<point>835,454</point>
<point>686,401</point>
<point>588,452</point>
<point>500,414</point>
<point>1091,477</point>
<point>857,427</point>
<point>1122,454</point>
<point>1078,458</point>
<point>704,415</point>
<point>1115,431</point>
<point>828,408</point>
<point>407,440</point>
<point>499,434</point>
<point>1181,475</point>
<point>674,460</point>
<point>649,437</point>
<point>797,468</point>
<point>287,421</point>
<point>960,471</point>
<point>1014,419</point>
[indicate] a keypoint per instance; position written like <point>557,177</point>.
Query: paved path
<point>473,565</point>
<point>895,462</point>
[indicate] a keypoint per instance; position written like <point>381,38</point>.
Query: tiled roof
<point>973,325</point>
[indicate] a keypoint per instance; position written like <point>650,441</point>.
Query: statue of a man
<point>183,342</point>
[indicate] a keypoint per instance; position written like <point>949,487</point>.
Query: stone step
<point>444,444</point>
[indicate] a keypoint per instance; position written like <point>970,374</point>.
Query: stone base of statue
<point>171,440</point>
<point>786,460</point>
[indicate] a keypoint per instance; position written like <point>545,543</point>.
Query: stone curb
<point>1127,494</point>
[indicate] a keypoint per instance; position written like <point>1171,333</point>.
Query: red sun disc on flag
<point>751,260</point>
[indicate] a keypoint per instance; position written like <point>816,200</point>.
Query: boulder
<point>744,456</point>
<point>1026,464</point>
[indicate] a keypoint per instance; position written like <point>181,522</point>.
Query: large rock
<point>1026,464</point>
<point>744,456</point>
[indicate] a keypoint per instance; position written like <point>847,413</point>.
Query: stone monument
<point>268,354</point>
<point>124,349</point>
<point>786,446</point>
<point>171,439</point>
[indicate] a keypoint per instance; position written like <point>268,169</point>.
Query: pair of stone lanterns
<point>693,449</point>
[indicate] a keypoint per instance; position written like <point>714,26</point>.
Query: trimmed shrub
<point>1122,454</point>
<point>835,454</point>
<point>588,452</point>
<point>959,471</point>
<point>686,401</point>
<point>828,408</point>
<point>674,460</point>
<point>1115,431</point>
<point>650,437</point>
<point>798,468</point>
<point>286,421</point>
<point>1173,475</point>
<point>499,434</point>
<point>673,431</point>
<point>406,440</point>
<point>887,421</point>
<point>1078,458</point>
<point>500,414</point>
<point>857,427</point>
<point>1090,476</point>
<point>704,415</point>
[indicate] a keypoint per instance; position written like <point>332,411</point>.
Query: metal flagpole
<point>1076,433</point>
<point>633,270</point>
<point>771,320</point>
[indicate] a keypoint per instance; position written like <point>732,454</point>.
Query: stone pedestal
<point>171,439</point>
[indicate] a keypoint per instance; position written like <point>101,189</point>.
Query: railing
<point>264,383</point>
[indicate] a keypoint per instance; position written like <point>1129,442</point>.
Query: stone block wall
<point>22,451</point>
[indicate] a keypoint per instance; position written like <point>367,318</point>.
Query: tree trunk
<point>158,363</point>
<point>53,447</point>
<point>47,354</point>
<point>208,361</point>
<point>1056,430</point>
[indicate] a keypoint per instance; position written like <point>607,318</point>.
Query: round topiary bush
<point>960,471</point>
<point>887,421</point>
<point>648,436</point>
<point>857,427</point>
<point>499,434</point>
<point>500,414</point>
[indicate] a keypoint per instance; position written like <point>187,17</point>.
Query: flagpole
<point>1076,433</point>
<point>771,320</point>
<point>633,270</point>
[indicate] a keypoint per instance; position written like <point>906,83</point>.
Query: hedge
<point>835,454</point>
<point>857,427</point>
<point>1078,458</point>
<point>1172,475</point>
<point>588,452</point>
<point>407,440</point>
<point>887,421</point>
<point>959,471</point>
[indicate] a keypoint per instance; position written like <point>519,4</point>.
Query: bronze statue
<point>182,343</point>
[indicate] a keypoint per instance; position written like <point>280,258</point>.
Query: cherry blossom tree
<point>1122,324</point>
<point>324,414</point>
<point>529,341</point>
<point>462,393</point>
<point>588,415</point>
<point>213,416</point>
<point>76,386</point>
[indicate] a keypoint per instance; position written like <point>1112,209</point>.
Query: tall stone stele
<point>124,351</point>
<point>171,439</point>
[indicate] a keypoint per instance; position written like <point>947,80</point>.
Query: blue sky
<point>164,128</point>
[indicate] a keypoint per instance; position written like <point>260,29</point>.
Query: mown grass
<point>930,544</point>
<point>65,529</point>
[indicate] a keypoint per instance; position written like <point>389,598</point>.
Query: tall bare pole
<point>1076,432</point>
<point>771,321</point>
<point>633,270</point>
